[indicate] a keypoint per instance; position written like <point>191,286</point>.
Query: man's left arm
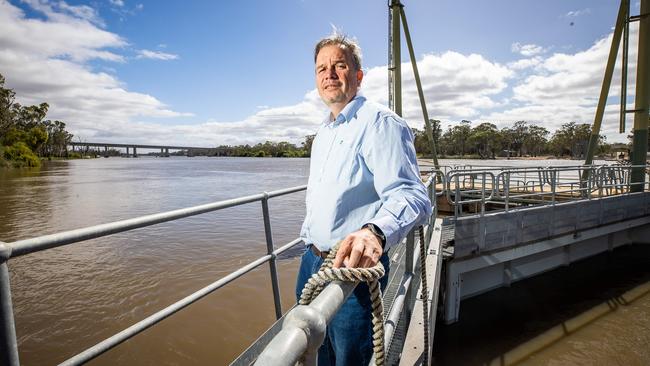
<point>389,154</point>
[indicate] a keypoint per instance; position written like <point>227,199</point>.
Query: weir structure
<point>490,227</point>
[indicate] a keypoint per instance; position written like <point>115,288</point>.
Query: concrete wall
<point>475,235</point>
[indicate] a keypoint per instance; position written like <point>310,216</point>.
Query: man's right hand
<point>360,249</point>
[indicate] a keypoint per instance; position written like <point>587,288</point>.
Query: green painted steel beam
<point>624,62</point>
<point>641,100</point>
<point>416,74</point>
<point>607,81</point>
<point>395,60</point>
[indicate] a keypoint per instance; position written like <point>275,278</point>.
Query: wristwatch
<point>377,231</point>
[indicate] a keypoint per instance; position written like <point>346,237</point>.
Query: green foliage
<point>36,137</point>
<point>485,141</point>
<point>572,140</point>
<point>12,136</point>
<point>280,149</point>
<point>25,127</point>
<point>21,155</point>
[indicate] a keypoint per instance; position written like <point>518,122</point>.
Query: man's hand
<point>360,249</point>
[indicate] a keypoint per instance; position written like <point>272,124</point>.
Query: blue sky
<point>207,73</point>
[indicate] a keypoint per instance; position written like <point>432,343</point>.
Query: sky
<point>207,73</point>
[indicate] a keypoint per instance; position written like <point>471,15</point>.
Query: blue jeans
<point>349,335</point>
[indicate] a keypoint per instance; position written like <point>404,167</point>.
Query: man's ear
<point>359,76</point>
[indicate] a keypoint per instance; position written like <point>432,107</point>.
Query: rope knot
<point>371,275</point>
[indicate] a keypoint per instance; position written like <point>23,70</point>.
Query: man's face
<point>336,77</point>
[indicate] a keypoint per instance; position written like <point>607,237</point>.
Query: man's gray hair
<point>344,42</point>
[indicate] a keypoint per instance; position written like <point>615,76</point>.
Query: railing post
<point>483,194</point>
<point>590,182</point>
<point>431,191</point>
<point>458,205</point>
<point>408,268</point>
<point>553,182</point>
<point>8,342</point>
<point>506,189</point>
<point>269,250</point>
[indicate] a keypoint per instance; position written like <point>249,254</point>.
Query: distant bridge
<point>164,149</point>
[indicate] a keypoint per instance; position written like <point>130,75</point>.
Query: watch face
<point>375,230</point>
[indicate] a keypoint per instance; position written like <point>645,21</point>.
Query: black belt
<point>318,253</point>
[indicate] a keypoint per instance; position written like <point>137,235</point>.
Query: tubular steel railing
<point>326,304</point>
<point>303,329</point>
<point>522,187</point>
<point>8,342</point>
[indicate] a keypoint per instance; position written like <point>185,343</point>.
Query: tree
<point>420,141</point>
<point>24,131</point>
<point>485,140</point>
<point>572,139</point>
<point>306,145</point>
<point>536,140</point>
<point>454,140</point>
<point>7,97</point>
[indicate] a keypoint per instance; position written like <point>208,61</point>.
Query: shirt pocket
<point>342,163</point>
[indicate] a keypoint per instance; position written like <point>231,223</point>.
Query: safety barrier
<point>522,187</point>
<point>304,326</point>
<point>8,342</point>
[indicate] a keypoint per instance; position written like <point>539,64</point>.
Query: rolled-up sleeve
<point>389,154</point>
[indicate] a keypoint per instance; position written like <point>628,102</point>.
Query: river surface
<point>69,298</point>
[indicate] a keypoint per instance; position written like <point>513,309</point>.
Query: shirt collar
<point>347,113</point>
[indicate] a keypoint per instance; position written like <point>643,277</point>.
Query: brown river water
<point>69,298</point>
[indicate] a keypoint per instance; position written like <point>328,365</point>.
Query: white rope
<point>326,274</point>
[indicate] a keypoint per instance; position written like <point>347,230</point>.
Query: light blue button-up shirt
<point>363,170</point>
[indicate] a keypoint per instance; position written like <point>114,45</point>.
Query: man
<point>364,189</point>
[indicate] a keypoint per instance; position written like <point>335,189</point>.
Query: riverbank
<point>30,164</point>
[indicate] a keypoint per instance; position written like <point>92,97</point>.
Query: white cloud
<point>455,86</point>
<point>577,13</point>
<point>548,90</point>
<point>62,11</point>
<point>566,87</point>
<point>525,63</point>
<point>527,50</point>
<point>290,123</point>
<point>119,3</point>
<point>46,60</point>
<point>52,67</point>
<point>156,55</point>
<point>62,35</point>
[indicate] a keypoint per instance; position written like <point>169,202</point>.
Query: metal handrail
<point>8,341</point>
<point>537,185</point>
<point>304,327</point>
